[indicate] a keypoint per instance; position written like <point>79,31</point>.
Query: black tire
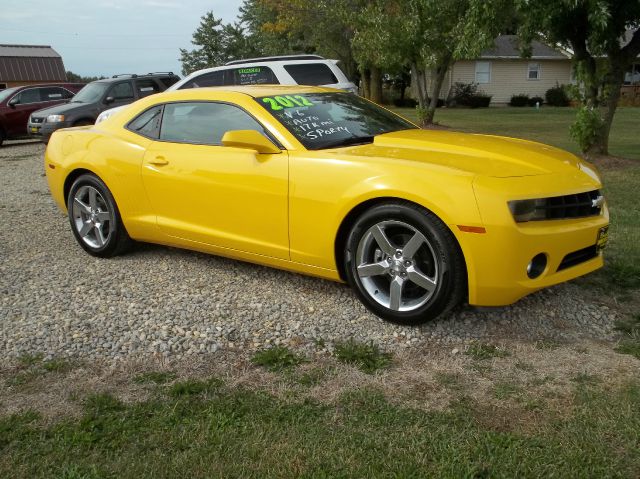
<point>2,137</point>
<point>438,258</point>
<point>91,205</point>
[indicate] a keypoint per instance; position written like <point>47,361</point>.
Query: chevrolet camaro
<point>325,183</point>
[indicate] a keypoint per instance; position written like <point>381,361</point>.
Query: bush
<point>557,96</point>
<point>536,99</point>
<point>467,94</point>
<point>587,127</point>
<point>520,100</point>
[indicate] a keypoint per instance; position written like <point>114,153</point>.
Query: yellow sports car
<point>325,183</point>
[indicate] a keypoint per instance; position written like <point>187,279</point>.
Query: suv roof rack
<point>135,75</point>
<point>276,58</point>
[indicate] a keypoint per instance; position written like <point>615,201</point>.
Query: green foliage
<point>519,100</point>
<point>75,78</point>
<point>468,95</point>
<point>483,351</point>
<point>557,96</point>
<point>277,358</point>
<point>366,357</point>
<point>216,43</point>
<point>536,100</point>
<point>587,128</point>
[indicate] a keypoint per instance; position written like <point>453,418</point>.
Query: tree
<point>604,36</point>
<point>75,78</point>
<point>428,35</point>
<point>218,44</point>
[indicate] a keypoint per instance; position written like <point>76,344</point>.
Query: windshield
<point>4,94</point>
<point>90,93</point>
<point>330,120</point>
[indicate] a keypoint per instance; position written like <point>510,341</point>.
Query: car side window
<point>311,74</point>
<point>53,93</point>
<point>259,75</point>
<point>146,87</point>
<point>31,95</point>
<point>207,79</point>
<point>121,91</point>
<point>204,123</point>
<point>147,123</point>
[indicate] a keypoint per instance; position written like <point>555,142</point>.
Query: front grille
<point>577,257</point>
<point>37,120</point>
<point>572,206</point>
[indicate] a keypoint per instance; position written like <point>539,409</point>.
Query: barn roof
<point>30,63</point>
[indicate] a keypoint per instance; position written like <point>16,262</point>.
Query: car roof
<point>251,90</point>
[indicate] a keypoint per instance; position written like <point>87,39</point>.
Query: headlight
<point>527,210</point>
<point>55,118</point>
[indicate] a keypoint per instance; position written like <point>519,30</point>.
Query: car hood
<point>486,155</point>
<point>62,109</point>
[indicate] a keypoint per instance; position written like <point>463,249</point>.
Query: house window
<point>534,71</point>
<point>632,77</point>
<point>483,72</point>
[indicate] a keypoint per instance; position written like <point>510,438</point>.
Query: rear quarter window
<point>311,74</point>
<point>259,75</point>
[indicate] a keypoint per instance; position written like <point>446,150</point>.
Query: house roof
<point>506,46</point>
<point>30,63</point>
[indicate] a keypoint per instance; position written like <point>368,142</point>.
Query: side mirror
<point>249,139</point>
<point>13,102</point>
<point>109,100</point>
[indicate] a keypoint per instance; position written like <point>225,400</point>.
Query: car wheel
<point>95,219</point>
<point>404,264</point>
<point>1,137</point>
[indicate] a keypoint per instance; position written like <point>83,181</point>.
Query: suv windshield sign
<point>328,120</point>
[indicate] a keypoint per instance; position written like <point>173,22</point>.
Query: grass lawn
<point>203,429</point>
<point>548,125</point>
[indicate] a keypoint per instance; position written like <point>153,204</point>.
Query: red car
<point>17,104</point>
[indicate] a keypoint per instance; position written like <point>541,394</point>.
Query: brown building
<point>30,64</point>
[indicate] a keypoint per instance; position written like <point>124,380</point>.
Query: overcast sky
<point>105,37</point>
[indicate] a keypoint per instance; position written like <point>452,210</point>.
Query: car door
<point>119,94</point>
<point>23,104</point>
<point>207,193</point>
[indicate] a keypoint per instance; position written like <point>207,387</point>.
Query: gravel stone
<point>57,300</point>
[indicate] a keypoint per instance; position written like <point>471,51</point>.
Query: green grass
<point>548,125</point>
<point>277,358</point>
<point>365,356</point>
<point>155,377</point>
<point>630,343</point>
<point>241,433</point>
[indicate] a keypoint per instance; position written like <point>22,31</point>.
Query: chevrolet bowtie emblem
<point>597,202</point>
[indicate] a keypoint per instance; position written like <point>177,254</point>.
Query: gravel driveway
<point>57,300</point>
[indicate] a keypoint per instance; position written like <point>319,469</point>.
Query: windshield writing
<point>328,120</point>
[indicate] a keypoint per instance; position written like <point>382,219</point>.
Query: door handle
<point>159,161</point>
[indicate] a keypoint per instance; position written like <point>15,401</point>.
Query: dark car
<point>96,97</point>
<point>16,104</point>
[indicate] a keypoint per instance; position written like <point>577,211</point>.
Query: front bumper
<point>497,260</point>
<point>43,131</point>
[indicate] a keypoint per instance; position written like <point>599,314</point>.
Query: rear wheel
<point>95,219</point>
<point>404,264</point>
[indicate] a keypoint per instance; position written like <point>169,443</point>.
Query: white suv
<point>283,70</point>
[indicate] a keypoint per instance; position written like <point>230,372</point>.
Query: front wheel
<point>404,264</point>
<point>95,219</point>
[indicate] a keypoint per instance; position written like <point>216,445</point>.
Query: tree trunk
<point>613,86</point>
<point>441,73</point>
<point>376,85</point>
<point>365,76</point>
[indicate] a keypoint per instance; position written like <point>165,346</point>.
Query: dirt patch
<point>608,162</point>
<point>507,393</point>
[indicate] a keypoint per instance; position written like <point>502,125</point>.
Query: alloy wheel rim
<point>91,217</point>
<point>397,266</point>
